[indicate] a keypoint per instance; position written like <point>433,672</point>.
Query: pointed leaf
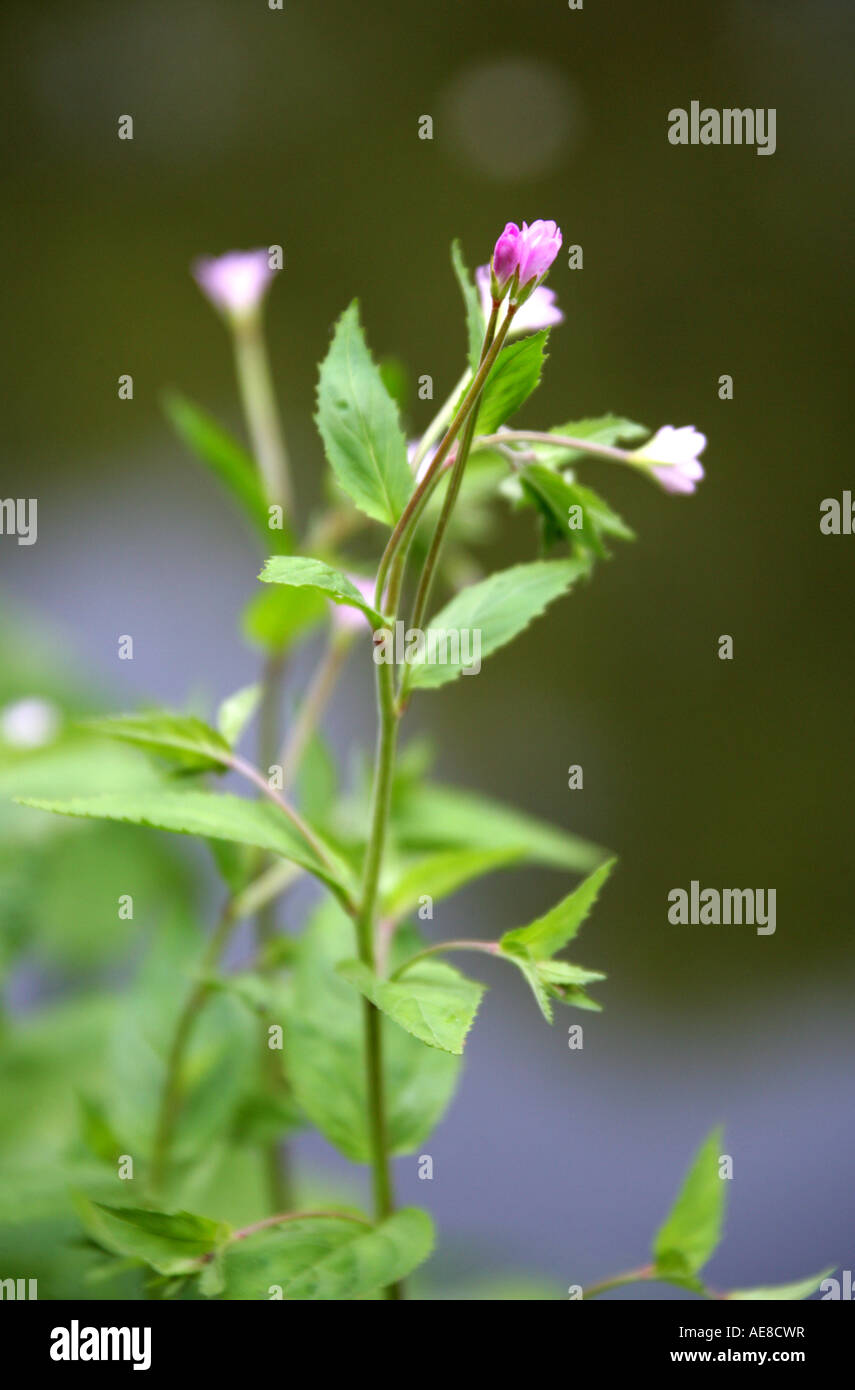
<point>328,1260</point>
<point>441,874</point>
<point>475,325</point>
<point>236,711</point>
<point>514,376</point>
<point>798,1289</point>
<point>298,571</point>
<point>498,608</point>
<point>209,815</point>
<point>692,1229</point>
<point>171,1242</point>
<point>183,738</point>
<point>359,425</point>
<point>433,1001</point>
<point>558,926</point>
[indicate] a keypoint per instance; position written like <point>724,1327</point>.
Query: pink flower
<point>235,283</point>
<point>347,618</point>
<point>672,457</point>
<point>539,310</point>
<point>538,246</point>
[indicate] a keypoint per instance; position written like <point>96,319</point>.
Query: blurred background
<point>254,127</point>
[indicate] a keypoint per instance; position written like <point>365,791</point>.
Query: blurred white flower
<point>29,723</point>
<point>235,283</point>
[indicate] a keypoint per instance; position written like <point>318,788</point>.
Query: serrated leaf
<point>236,711</point>
<point>514,376</point>
<point>499,608</point>
<point>298,571</point>
<point>209,815</point>
<point>171,1242</point>
<point>184,739</point>
<point>227,460</point>
<point>328,1260</point>
<point>432,816</point>
<point>475,325</point>
<point>798,1289</point>
<point>692,1229</point>
<point>359,425</point>
<point>441,874</point>
<point>551,932</point>
<point>324,1047</point>
<point>433,1001</point>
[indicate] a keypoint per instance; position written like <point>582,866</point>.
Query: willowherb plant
<point>359,1022</point>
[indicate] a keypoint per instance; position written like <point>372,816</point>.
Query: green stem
<point>314,703</point>
<point>453,490</point>
<point>261,411</point>
<point>170,1102</point>
<point>365,921</point>
<point>633,1276</point>
<point>409,517</point>
<point>491,948</point>
<point>559,441</point>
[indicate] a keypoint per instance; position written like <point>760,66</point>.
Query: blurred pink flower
<point>235,283</point>
<point>677,450</point>
<point>539,311</point>
<point>425,463</point>
<point>347,618</point>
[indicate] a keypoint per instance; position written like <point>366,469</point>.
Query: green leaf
<point>236,711</point>
<point>556,493</point>
<point>433,1001</point>
<point>432,816</point>
<point>798,1289</point>
<point>324,1047</point>
<point>183,738</point>
<point>441,874</point>
<point>316,1259</point>
<point>209,815</point>
<point>171,1242</point>
<point>499,608</point>
<point>475,325</point>
<point>298,572</point>
<point>359,425</point>
<point>227,460</point>
<point>514,376</point>
<point>96,1131</point>
<point>274,619</point>
<point>551,932</point>
<point>692,1229</point>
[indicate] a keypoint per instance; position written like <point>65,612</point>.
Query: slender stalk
<point>633,1276</point>
<point>170,1102</point>
<point>409,516</point>
<point>490,947</point>
<point>452,492</point>
<point>285,1216</point>
<point>441,419</point>
<point>261,411</point>
<point>560,441</point>
<point>314,703</point>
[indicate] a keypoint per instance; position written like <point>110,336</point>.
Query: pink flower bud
<point>235,283</point>
<point>505,258</point>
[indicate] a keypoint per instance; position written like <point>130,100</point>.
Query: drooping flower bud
<point>235,283</point>
<point>672,457</point>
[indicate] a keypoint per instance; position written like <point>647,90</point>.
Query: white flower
<point>538,311</point>
<point>29,723</point>
<point>235,283</point>
<point>672,457</point>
